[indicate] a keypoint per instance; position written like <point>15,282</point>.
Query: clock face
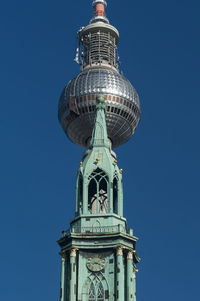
<point>95,264</point>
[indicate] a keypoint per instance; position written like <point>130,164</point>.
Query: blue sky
<point>159,51</point>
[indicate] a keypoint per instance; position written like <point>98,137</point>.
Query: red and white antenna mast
<point>99,11</point>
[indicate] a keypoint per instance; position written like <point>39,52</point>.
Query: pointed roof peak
<point>99,133</point>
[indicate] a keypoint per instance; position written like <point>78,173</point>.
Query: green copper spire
<point>99,134</point>
<point>99,181</point>
<point>98,252</point>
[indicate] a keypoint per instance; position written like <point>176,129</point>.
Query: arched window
<point>96,291</point>
<point>103,196</point>
<point>115,195</point>
<point>98,192</point>
<point>92,196</point>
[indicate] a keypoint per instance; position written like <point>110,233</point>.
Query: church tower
<point>99,109</point>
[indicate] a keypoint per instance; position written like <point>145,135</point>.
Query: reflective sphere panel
<point>77,106</point>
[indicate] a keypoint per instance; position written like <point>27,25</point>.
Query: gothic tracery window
<point>96,291</point>
<point>100,292</point>
<point>92,293</point>
<point>97,192</point>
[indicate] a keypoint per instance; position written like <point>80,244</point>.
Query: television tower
<point>98,109</point>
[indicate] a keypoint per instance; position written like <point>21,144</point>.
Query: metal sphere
<point>77,103</point>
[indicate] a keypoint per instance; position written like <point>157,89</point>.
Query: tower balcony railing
<point>96,230</point>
